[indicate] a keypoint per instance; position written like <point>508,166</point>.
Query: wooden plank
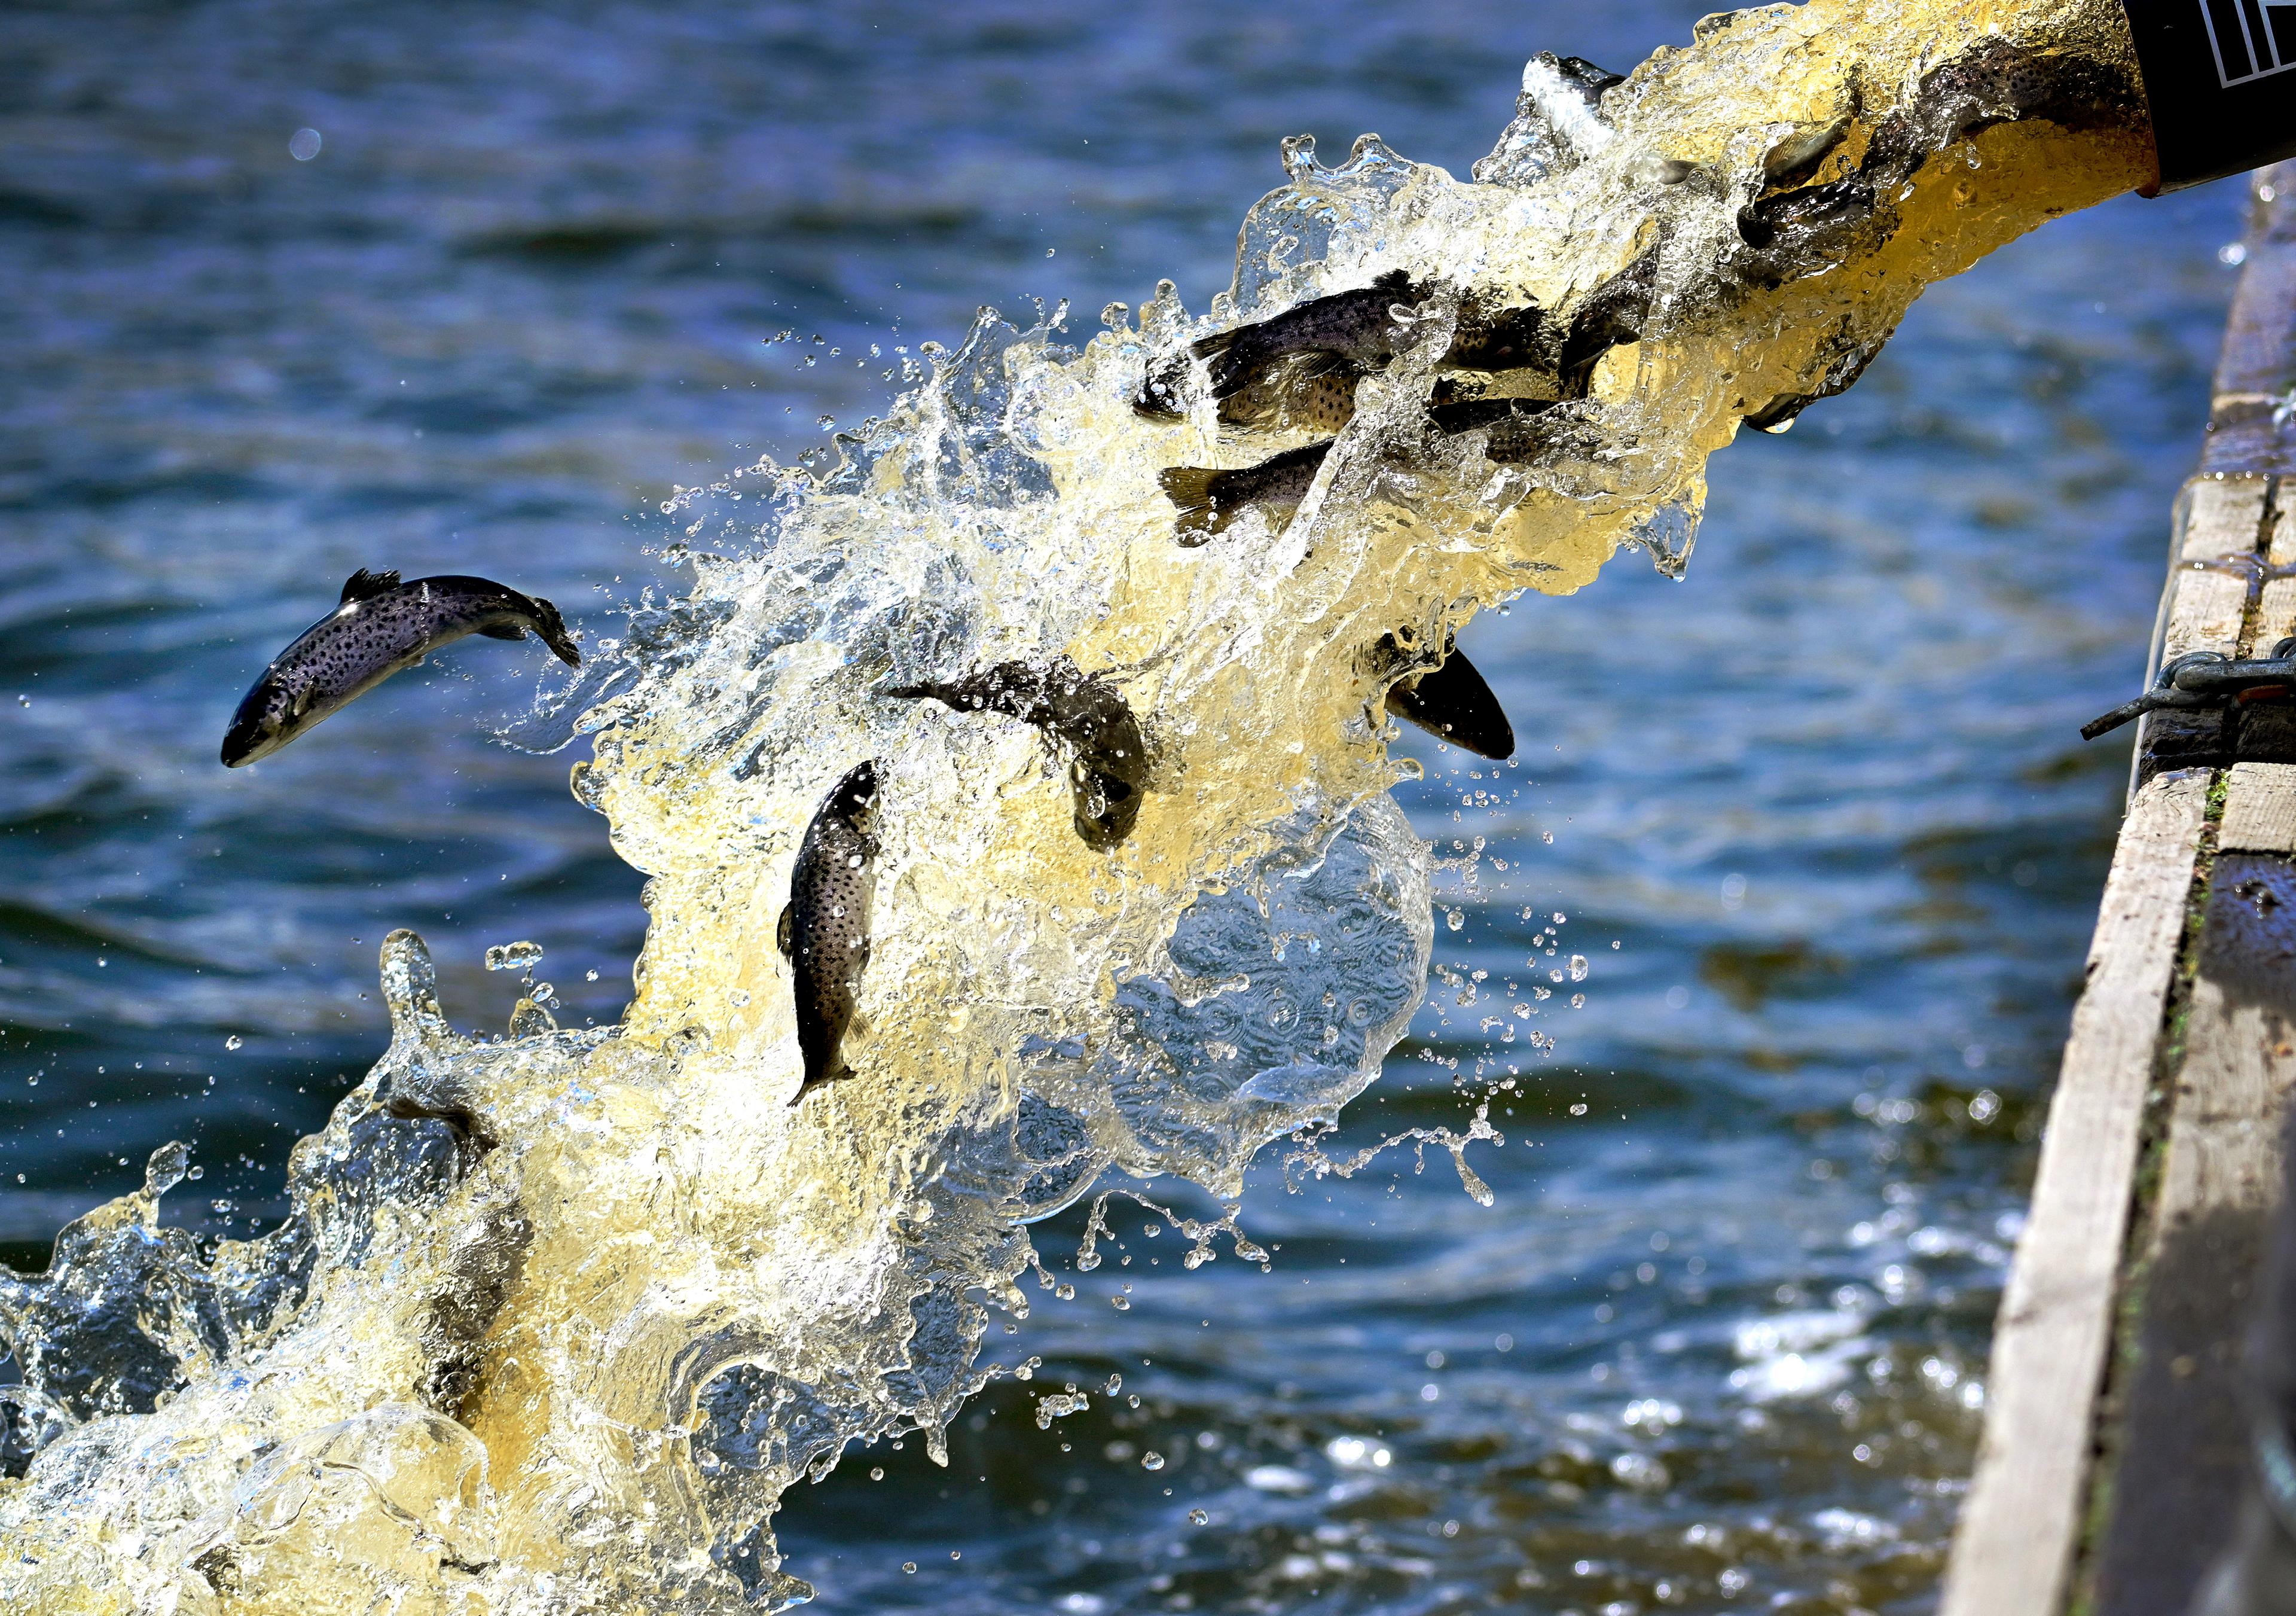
<point>2250,426</point>
<point>2275,605</point>
<point>2210,608</point>
<point>2187,1431</point>
<point>2013,1546</point>
<point>2222,526</point>
<point>2014,1551</point>
<point>2260,809</point>
<point>2223,516</point>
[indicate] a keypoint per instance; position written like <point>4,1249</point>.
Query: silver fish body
<point>823,931</point>
<point>379,628</point>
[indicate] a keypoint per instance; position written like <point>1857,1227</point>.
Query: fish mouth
<point>248,740</point>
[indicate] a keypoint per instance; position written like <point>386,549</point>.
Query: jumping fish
<point>1335,339</point>
<point>1450,700</point>
<point>1299,368</point>
<point>824,931</point>
<point>1517,430</point>
<point>1318,401</point>
<point>381,626</point>
<point>1089,715</point>
<point>1355,331</point>
<point>1209,500</point>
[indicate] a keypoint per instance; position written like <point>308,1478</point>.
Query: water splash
<point>555,1320</point>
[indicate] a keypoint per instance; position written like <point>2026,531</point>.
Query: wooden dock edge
<point>2108,1473</point>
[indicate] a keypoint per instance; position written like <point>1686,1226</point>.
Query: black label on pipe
<point>2220,77</point>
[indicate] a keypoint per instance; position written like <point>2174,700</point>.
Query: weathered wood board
<point>2115,1449</point>
<point>2019,1525</point>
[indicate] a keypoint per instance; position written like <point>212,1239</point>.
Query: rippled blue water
<point>1818,817</point>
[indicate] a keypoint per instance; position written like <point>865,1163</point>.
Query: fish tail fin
<point>550,629</point>
<point>1454,703</point>
<point>1195,490</point>
<point>1217,344</point>
<point>836,1071</point>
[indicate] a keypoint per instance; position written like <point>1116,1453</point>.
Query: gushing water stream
<point>556,1318</point>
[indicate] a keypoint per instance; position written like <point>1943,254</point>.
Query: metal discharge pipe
<point>2212,81</point>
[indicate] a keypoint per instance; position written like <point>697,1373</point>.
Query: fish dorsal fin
<point>362,584</point>
<point>785,931</point>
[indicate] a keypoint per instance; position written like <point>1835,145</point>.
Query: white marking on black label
<point>2251,39</point>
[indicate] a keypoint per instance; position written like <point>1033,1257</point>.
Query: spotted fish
<point>1209,500</point>
<point>1088,716</point>
<point>1299,369</point>
<point>1516,430</point>
<point>381,626</point>
<point>823,931</point>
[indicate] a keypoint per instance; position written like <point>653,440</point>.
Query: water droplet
<point>234,1042</point>
<point>1197,1517</point>
<point>876,1472</point>
<point>909,1568</point>
<point>304,145</point>
<point>513,956</point>
<point>1151,1460</point>
<point>1577,967</point>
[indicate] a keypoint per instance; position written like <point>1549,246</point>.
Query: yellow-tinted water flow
<point>478,1390</point>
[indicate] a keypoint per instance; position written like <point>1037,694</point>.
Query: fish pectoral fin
<point>1318,362</point>
<point>302,701</point>
<point>362,584</point>
<point>785,931</point>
